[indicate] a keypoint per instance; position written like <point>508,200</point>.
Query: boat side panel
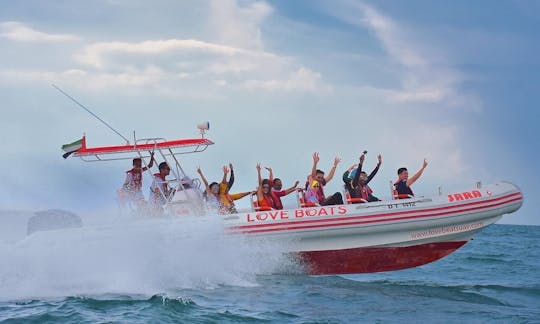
<point>374,259</point>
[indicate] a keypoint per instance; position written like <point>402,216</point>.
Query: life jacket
<point>276,198</point>
<point>157,195</point>
<point>402,188</point>
<point>365,192</point>
<point>266,203</point>
<point>311,196</point>
<point>135,183</point>
<point>320,194</point>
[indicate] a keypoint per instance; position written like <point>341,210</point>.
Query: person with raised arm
<point>318,175</point>
<point>404,183</point>
<point>227,199</point>
<point>211,194</point>
<point>276,188</point>
<point>356,180</point>
<point>132,188</point>
<point>264,197</point>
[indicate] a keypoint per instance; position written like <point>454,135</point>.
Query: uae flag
<point>71,148</point>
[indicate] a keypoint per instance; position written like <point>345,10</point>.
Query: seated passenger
<point>347,178</point>
<point>227,199</point>
<point>356,182</point>
<point>276,189</point>
<point>264,197</point>
<point>316,174</point>
<point>311,195</point>
<point>211,195</point>
<point>404,183</point>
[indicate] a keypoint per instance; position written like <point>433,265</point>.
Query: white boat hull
<point>382,236</point>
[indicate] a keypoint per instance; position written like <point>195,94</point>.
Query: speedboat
<point>385,235</point>
<point>342,239</point>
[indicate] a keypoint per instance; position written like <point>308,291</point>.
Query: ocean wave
<point>488,294</point>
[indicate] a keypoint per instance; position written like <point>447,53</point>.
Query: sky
<point>455,82</point>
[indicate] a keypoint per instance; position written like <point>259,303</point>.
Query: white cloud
<point>301,79</point>
<point>171,64</point>
<point>237,25</point>
<point>234,59</point>
<point>99,54</point>
<point>428,95</point>
<point>426,75</point>
<point>19,32</point>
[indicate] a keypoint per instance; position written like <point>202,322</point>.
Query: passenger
<point>211,194</point>
<point>347,175</point>
<point>311,194</point>
<point>316,174</point>
<point>227,199</point>
<point>264,197</point>
<point>404,183</point>
<point>159,190</point>
<point>276,190</point>
<point>357,181</point>
<point>131,190</point>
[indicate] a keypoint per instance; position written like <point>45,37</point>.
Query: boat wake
<point>135,257</point>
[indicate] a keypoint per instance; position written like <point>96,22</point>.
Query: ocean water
<point>168,272</point>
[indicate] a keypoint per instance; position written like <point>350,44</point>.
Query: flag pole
<point>90,112</point>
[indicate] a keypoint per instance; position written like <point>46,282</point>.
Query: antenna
<point>90,112</point>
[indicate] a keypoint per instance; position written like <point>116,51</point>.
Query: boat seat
<point>351,200</point>
<point>400,196</point>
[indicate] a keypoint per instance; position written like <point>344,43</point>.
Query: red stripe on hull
<point>375,259</point>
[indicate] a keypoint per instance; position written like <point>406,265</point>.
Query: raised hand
<point>316,157</point>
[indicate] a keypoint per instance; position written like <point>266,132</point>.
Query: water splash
<point>143,256</point>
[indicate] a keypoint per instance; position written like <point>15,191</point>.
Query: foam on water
<point>126,256</point>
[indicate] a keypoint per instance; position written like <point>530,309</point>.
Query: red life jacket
<point>365,191</point>
<point>266,202</point>
<point>320,194</point>
<point>276,199</point>
<point>163,183</point>
<point>136,178</point>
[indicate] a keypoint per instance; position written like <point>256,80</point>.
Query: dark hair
<point>319,171</point>
<point>401,170</point>
<point>213,183</point>
<point>265,181</point>
<point>163,165</point>
<point>136,159</point>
